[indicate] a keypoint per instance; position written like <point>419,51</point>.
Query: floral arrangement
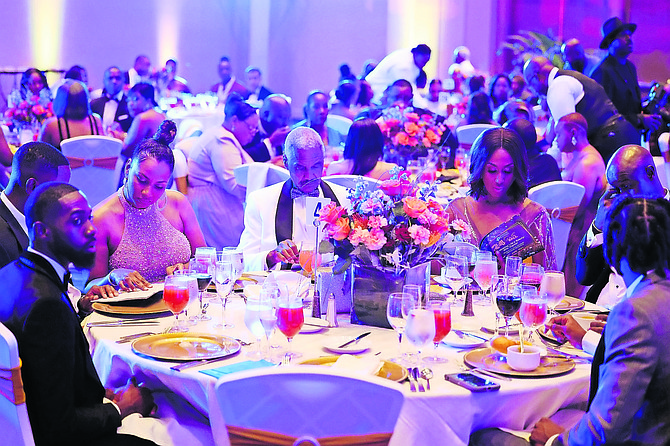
<point>407,132</point>
<point>397,225</point>
<point>28,112</point>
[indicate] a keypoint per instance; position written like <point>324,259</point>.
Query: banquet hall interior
<point>426,317</point>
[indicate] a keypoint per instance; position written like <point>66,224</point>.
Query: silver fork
<point>415,373</point>
<point>286,360</point>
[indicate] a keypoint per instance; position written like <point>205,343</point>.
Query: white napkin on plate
<point>359,366</point>
<point>296,283</point>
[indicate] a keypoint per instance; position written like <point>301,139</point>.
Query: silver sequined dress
<point>149,243</point>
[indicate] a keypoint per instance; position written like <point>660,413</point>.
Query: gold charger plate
<point>186,346</point>
<point>388,370</point>
<point>570,304</point>
<point>155,306</point>
<point>491,360</point>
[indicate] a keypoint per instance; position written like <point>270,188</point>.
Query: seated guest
<point>433,102</point>
<point>316,113</point>
<point>363,152</point>
<point>34,83</point>
<point>398,94</point>
<point>542,167</point>
<point>629,394</point>
<point>499,191</point>
<point>586,167</point>
<point>33,164</point>
<point>77,73</point>
<point>518,87</point>
<point>512,109</point>
<point>499,90</point>
<point>140,72</point>
<point>274,114</point>
<point>112,106</point>
<point>147,117</point>
<point>143,227</point>
<point>228,84</point>
<point>216,197</point>
<point>274,224</point>
<point>479,110</point>
<point>64,394</point>
<point>73,115</point>
<point>168,83</point>
<point>257,91</point>
<point>631,170</point>
<point>345,96</point>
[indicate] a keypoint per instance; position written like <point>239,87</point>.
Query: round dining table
<point>444,415</point>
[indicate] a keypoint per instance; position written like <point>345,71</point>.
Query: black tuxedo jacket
<point>63,391</point>
<point>257,148</point>
<point>122,116</point>
<point>12,238</point>
<point>621,85</point>
<point>591,269</point>
<point>262,93</point>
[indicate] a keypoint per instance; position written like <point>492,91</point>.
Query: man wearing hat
<point>618,75</point>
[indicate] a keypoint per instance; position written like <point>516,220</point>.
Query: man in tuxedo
<point>228,82</point>
<point>112,106</point>
<point>64,394</point>
<point>568,92</point>
<point>257,91</point>
<point>140,72</point>
<point>34,163</point>
<point>275,114</point>
<point>275,220</point>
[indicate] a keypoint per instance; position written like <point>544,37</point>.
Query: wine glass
<point>234,256</point>
<point>414,167</point>
<point>442,314</point>
<point>461,163</point>
<point>507,302</point>
<point>415,291</point>
<point>513,270</point>
<point>531,274</point>
<point>207,254</point>
<point>252,319</point>
<point>470,254</point>
<point>396,317</point>
<point>223,279</point>
<point>290,318</point>
<point>175,295</point>
<point>533,311</point>
<point>192,293</point>
<point>202,271</point>
<point>268,313</point>
<point>552,288</point>
<point>484,272</point>
<point>420,329</point>
<point>455,272</point>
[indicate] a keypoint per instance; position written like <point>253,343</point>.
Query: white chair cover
<point>256,176</point>
<point>467,134</point>
<point>95,163</point>
<point>14,423</point>
<point>309,401</point>
<point>350,181</point>
<point>561,198</point>
<point>339,123</point>
<point>662,167</point>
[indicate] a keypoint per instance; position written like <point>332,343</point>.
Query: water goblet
<point>420,329</point>
<point>513,269</point>
<point>455,272</point>
<point>415,290</point>
<point>442,314</point>
<point>175,296</point>
<point>236,257</point>
<point>252,320</point>
<point>484,272</point>
<point>533,311</point>
<point>552,288</point>
<point>202,271</point>
<point>396,318</point>
<point>268,314</point>
<point>223,279</point>
<point>290,319</point>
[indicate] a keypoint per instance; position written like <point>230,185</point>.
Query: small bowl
<point>584,319</point>
<point>523,362</point>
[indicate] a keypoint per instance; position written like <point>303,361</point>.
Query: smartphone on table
<point>472,382</point>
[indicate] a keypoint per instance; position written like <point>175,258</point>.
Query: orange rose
<point>402,139</point>
<point>432,136</point>
<point>340,230</point>
<point>331,213</point>
<point>413,142</point>
<point>413,207</point>
<point>411,128</point>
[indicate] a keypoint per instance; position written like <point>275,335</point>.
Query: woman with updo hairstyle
<point>499,90</point>
<point>143,108</point>
<point>34,83</point>
<point>363,152</point>
<point>345,98</point>
<point>498,192</point>
<point>73,115</point>
<point>215,195</point>
<point>145,231</point>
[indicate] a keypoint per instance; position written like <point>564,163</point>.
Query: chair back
<point>350,181</point>
<point>256,176</point>
<point>561,199</point>
<point>467,134</point>
<point>662,167</point>
<point>339,123</point>
<point>14,423</point>
<point>95,163</point>
<point>310,402</point>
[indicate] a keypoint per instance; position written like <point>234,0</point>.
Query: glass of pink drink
<point>176,296</point>
<point>533,311</point>
<point>290,318</point>
<point>441,309</point>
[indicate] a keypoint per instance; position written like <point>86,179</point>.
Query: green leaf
<point>326,247</point>
<point>342,265</point>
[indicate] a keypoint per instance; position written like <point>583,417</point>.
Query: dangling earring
<point>573,140</point>
<point>161,206</point>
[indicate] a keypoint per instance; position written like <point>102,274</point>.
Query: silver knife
<point>196,363</point>
<point>356,339</point>
<point>489,374</point>
<point>121,323</point>
<point>461,333</point>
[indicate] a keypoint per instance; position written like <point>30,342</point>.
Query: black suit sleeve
<point>10,248</point>
<point>590,263</point>
<point>64,399</point>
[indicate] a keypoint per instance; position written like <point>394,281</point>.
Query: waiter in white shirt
<point>275,218</point>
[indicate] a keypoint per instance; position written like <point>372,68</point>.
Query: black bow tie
<point>295,193</point>
<point>67,279</point>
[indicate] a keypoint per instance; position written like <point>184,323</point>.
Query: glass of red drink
<point>176,297</point>
<point>441,309</point>
<point>290,318</point>
<point>533,311</point>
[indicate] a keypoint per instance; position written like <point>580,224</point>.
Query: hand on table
<point>130,281</point>
<point>134,399</point>
<point>96,292</point>
<point>286,252</point>
<point>567,328</point>
<point>543,430</point>
<point>178,267</point>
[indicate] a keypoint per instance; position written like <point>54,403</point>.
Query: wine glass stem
<point>224,299</point>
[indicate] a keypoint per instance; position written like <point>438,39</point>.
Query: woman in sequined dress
<point>145,230</point>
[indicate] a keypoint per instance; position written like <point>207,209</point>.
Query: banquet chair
<point>561,199</point>
<point>467,134</point>
<point>96,165</point>
<point>350,181</point>
<point>256,176</point>
<point>276,406</point>
<point>14,422</point>
<point>339,123</point>
<point>662,167</point>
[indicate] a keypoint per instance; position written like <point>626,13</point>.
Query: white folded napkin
<point>359,366</point>
<point>297,284</point>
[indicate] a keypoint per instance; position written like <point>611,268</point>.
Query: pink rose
<point>411,116</point>
<point>375,240</point>
<point>331,213</point>
<point>419,234</point>
<point>402,139</point>
<point>377,222</point>
<point>395,187</point>
<point>411,128</point>
<point>413,207</point>
<point>340,229</point>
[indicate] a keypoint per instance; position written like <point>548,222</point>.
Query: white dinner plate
<point>332,344</point>
<point>453,340</point>
<point>313,325</point>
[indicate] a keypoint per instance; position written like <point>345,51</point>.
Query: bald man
<point>569,92</point>
<point>576,59</point>
<point>275,114</point>
<point>275,222</point>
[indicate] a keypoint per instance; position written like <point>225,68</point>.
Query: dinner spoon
<point>427,374</point>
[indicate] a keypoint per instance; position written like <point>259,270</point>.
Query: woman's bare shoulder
<point>108,208</point>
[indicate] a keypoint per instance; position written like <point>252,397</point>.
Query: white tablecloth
<point>444,415</point>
